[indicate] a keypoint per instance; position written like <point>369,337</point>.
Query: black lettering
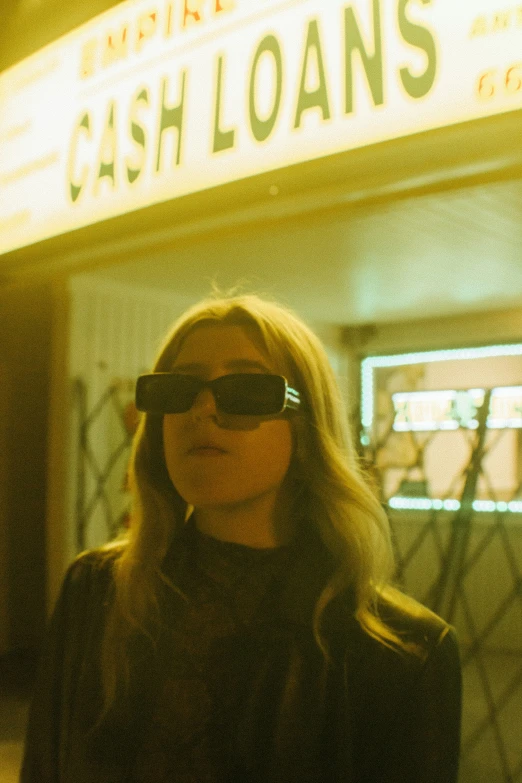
<point>116,47</point>
<point>75,189</point>
<point>261,129</point>
<point>171,117</point>
<point>372,63</point>
<point>138,135</point>
<point>223,139</point>
<point>479,26</point>
<point>502,21</point>
<point>308,99</point>
<point>420,37</point>
<point>108,150</point>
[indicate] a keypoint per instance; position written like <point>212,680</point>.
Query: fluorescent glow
<point>506,407</point>
<point>437,504</point>
<point>451,505</point>
<point>151,101</point>
<point>371,363</point>
<point>424,411</point>
<point>484,505</point>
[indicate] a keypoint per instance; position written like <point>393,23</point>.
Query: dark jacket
<point>372,715</point>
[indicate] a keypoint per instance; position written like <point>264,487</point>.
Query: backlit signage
<point>424,411</point>
<point>156,99</point>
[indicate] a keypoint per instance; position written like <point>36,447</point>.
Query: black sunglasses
<point>248,394</point>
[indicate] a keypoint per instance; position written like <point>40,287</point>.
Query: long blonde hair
<point>333,490</point>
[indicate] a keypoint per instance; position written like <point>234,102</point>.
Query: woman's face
<point>223,460</point>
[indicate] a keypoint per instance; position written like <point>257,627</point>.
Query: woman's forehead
<point>214,343</point>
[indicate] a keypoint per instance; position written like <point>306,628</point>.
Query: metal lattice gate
<point>104,438</point>
<point>461,555</point>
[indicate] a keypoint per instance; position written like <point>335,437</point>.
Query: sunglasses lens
<point>166,393</point>
<point>241,394</point>
<point>250,394</point>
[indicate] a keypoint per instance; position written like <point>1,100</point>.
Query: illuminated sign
<point>508,397</point>
<point>156,99</point>
<point>423,411</point>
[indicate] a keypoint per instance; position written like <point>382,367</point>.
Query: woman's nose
<point>204,404</point>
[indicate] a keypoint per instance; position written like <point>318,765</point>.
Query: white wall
<point>115,331</point>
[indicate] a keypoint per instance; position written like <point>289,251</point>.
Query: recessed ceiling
<point>433,255</point>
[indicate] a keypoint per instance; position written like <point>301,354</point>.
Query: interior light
<point>424,411</point>
<point>371,363</point>
<point>452,504</point>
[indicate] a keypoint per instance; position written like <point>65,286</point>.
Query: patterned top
<point>230,587</point>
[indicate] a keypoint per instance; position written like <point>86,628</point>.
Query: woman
<point>245,629</point>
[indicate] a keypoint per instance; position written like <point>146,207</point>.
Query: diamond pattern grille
<point>104,439</point>
<point>466,566</point>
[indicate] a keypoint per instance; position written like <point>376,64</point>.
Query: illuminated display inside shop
<point>431,411</point>
<point>423,411</point>
<point>371,363</point>
<point>151,101</point>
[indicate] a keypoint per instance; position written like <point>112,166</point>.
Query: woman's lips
<point>206,450</point>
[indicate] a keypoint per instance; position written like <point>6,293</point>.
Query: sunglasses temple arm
<point>292,398</point>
